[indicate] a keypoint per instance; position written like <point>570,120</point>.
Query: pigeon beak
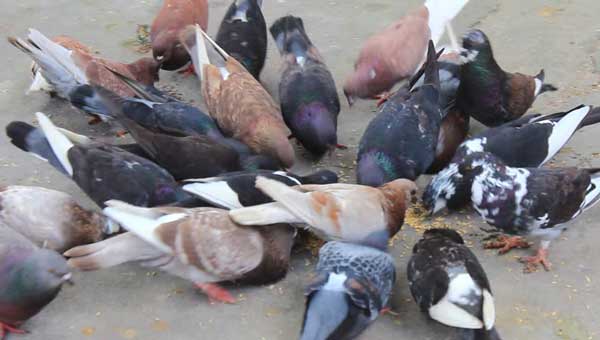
<point>67,278</point>
<point>350,99</point>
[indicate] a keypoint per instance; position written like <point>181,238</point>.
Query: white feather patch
<point>538,86</point>
<point>58,142</point>
<point>442,12</point>
<point>263,214</point>
<point>489,310</point>
<point>39,83</point>
<point>142,225</point>
<point>218,193</point>
<point>336,282</point>
<point>452,315</point>
<point>564,129</point>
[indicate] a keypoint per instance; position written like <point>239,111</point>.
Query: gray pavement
<point>128,302</point>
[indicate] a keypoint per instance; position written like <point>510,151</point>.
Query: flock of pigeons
<point>190,184</point>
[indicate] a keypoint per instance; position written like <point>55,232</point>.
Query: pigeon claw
<point>532,262</point>
<point>216,293</point>
<point>5,329</point>
<point>382,98</point>
<point>506,243</point>
<point>188,71</point>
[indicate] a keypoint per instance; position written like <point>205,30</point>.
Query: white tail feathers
<point>75,137</point>
<point>263,214</point>
<point>452,315</point>
<point>441,12</point>
<point>218,193</point>
<point>489,310</point>
<point>39,83</point>
<point>141,221</point>
<point>564,130</point>
<point>58,142</point>
<point>60,54</point>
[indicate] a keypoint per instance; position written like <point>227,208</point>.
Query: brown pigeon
<point>172,19</point>
<point>396,53</point>
<point>242,108</point>
<point>348,212</point>
<point>67,69</point>
<point>182,242</point>
<point>50,218</point>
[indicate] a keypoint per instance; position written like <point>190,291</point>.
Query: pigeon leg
<point>216,293</point>
<point>94,120</point>
<point>5,329</point>
<point>506,243</point>
<point>382,98</point>
<point>188,71</point>
<point>341,146</point>
<point>541,257</point>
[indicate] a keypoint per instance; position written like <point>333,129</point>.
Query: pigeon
<point>40,83</point>
<point>538,138</point>
<point>455,125</point>
<point>30,278</point>
<point>239,104</point>
<point>170,21</point>
<point>67,69</point>
<point>161,113</point>
<point>348,212</point>
<point>307,92</point>
<point>182,156</point>
<point>352,286</point>
<point>400,142</point>
<point>104,171</point>
<point>51,219</point>
<point>243,35</point>
<point>182,242</point>
<point>449,284</point>
<point>528,201</point>
<point>489,94</point>
<point>237,189</point>
<point>397,52</point>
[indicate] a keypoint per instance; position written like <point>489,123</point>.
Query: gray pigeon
<point>30,278</point>
<point>352,286</point>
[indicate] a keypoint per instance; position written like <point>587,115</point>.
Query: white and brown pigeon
<point>348,212</point>
<point>182,242</point>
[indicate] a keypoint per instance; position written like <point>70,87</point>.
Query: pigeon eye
<point>372,74</point>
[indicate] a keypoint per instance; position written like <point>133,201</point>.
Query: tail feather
<point>31,139</point>
<point>194,44</point>
<point>141,221</point>
<point>432,75</point>
<point>57,65</point>
<point>58,142</point>
<point>39,83</point>
<point>592,118</point>
<point>263,214</point>
<point>111,252</point>
<point>288,29</point>
<point>217,193</point>
<point>540,86</point>
<point>592,195</point>
<point>147,92</point>
<point>564,130</point>
<point>441,12</point>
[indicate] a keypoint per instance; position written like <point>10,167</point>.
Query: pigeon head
<point>145,70</point>
<point>168,50</point>
<point>475,42</point>
<point>321,177</point>
<point>444,233</point>
<point>446,190</point>
<point>369,78</point>
<point>399,187</point>
<point>48,268</point>
<point>315,127</point>
<point>257,162</point>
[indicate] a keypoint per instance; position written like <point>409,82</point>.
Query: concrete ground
<point>133,303</point>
